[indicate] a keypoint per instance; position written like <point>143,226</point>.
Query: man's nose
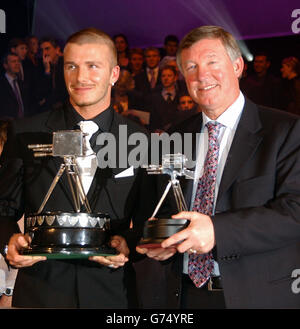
<point>82,74</point>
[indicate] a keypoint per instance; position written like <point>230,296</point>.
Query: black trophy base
<point>68,235</point>
<point>157,230</point>
<point>69,252</point>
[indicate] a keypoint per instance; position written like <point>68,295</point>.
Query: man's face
<point>171,48</point>
<point>152,59</point>
<point>89,74</point>
<point>261,64</point>
<point>136,61</point>
<point>121,44</point>
<point>186,103</point>
<point>211,76</point>
<point>33,45</point>
<point>48,50</point>
<point>21,51</point>
<point>168,78</point>
<point>13,65</point>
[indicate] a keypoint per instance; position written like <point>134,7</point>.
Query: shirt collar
<point>165,93</point>
<point>231,116</point>
<point>9,78</point>
<point>103,119</point>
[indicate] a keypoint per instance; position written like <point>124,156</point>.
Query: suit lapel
<point>245,142</point>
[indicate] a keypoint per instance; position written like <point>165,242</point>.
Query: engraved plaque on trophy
<point>60,234</point>
<point>157,230</point>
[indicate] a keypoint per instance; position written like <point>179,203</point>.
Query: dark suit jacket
<point>50,89</point>
<point>8,100</point>
<point>142,83</point>
<point>257,220</point>
<point>24,183</point>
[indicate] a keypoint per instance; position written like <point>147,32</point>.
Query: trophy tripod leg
<point>52,186</point>
<point>162,199</point>
<point>74,195</point>
<point>180,201</point>
<point>80,189</point>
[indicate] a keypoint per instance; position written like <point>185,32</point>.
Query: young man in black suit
<point>13,97</point>
<point>90,69</point>
<point>251,239</point>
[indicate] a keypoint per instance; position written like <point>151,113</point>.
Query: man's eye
<point>190,67</point>
<point>93,66</point>
<point>71,67</point>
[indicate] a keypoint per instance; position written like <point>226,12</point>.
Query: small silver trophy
<point>157,230</point>
<point>67,234</point>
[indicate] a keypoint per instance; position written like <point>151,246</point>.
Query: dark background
<point>21,22</point>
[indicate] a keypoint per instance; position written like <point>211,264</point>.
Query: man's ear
<point>238,66</point>
<point>115,72</point>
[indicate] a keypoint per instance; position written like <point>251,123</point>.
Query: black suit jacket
<point>142,83</point>
<point>257,220</point>
<point>24,183</point>
<point>8,100</point>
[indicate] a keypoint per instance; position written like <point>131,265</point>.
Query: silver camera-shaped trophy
<point>61,234</point>
<point>157,230</point>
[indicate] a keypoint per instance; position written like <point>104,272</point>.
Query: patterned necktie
<point>19,99</point>
<point>201,266</point>
<point>87,164</point>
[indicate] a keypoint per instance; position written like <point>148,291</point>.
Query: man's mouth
<point>208,87</point>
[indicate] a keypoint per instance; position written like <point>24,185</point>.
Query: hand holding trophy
<point>157,230</point>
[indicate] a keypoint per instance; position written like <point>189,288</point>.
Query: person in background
<point>122,47</point>
<point>136,59</point>
<point>13,97</point>
<point>262,87</point>
<point>290,87</point>
<point>50,85</point>
<point>149,81</point>
<point>170,45</point>
<point>186,103</point>
<point>163,104</point>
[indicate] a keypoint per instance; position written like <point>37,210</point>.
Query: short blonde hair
<point>209,32</point>
<point>93,35</point>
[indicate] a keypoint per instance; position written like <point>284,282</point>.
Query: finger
<point>23,241</point>
<point>120,244</point>
<point>175,239</point>
<point>121,258</point>
<point>161,253</point>
<point>185,246</point>
<point>141,250</point>
<point>183,214</point>
<point>25,261</point>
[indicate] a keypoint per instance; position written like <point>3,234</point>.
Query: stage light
<point>217,14</point>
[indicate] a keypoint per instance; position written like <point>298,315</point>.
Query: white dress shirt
<point>229,119</point>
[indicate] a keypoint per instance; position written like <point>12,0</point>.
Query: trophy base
<point>59,235</point>
<point>157,230</point>
<point>69,252</point>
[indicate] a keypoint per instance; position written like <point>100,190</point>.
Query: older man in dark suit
<point>90,70</point>
<point>243,241</point>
